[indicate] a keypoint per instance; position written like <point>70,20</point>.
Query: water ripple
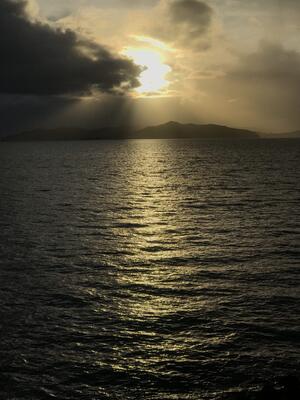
<point>148,270</point>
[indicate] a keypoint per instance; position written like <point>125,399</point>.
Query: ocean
<point>148,269</point>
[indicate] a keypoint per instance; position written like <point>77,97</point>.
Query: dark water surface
<point>148,269</point>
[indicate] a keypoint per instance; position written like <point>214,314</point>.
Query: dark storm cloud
<point>187,23</point>
<point>20,113</point>
<point>38,59</point>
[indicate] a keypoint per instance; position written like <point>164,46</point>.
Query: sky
<point>94,63</point>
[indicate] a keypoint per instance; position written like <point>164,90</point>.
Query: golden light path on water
<point>142,271</point>
<point>156,294</point>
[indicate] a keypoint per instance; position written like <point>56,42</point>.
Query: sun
<point>153,79</point>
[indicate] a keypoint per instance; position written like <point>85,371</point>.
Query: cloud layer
<point>41,60</point>
<point>233,62</point>
<point>184,23</point>
<point>261,91</point>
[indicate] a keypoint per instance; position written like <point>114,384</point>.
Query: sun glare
<point>154,78</point>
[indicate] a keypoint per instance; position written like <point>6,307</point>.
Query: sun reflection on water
<point>151,233</point>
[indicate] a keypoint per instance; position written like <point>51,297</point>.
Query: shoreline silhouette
<point>169,130</point>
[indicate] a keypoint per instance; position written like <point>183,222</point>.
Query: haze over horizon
<point>93,63</point>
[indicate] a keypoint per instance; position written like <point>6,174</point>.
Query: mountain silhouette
<point>169,130</point>
<point>175,130</point>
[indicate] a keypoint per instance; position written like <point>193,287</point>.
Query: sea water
<point>148,269</point>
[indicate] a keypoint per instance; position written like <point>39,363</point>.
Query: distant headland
<point>169,130</point>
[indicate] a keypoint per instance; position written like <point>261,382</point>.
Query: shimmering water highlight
<point>147,269</point>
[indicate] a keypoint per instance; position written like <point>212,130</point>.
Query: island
<point>169,130</point>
